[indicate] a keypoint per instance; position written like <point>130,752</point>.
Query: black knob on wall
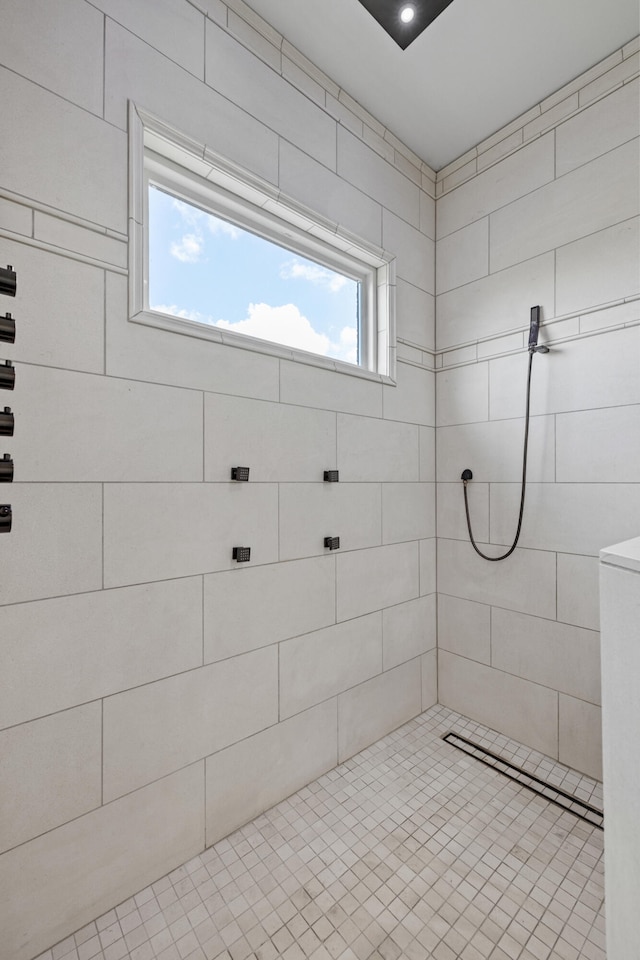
<point>7,329</point>
<point>6,469</point>
<point>332,543</point>
<point>5,517</point>
<point>7,375</point>
<point>8,281</point>
<point>242,554</point>
<point>7,422</point>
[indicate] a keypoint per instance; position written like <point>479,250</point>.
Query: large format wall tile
<point>309,512</point>
<point>311,386</point>
<point>463,256</point>
<point>372,709</point>
<point>464,627</point>
<point>278,441</point>
<point>320,665</point>
<point>493,450</point>
<point>462,394</point>
<point>580,736</point>
<point>514,177</point>
<point>51,773</point>
<point>415,253</point>
<point>55,546</point>
<point>601,127</point>
<point>363,167</point>
<point>525,711</point>
<point>175,30</point>
<point>578,597</point>
<point>408,630</point>
<point>377,450</point>
<point>73,29</point>
<point>63,652</point>
<point>594,447</point>
<point>251,776</point>
<point>412,398</point>
<point>154,730</point>
<point>159,531</point>
<point>408,511</point>
<point>64,879</point>
<point>237,74</point>
<point>380,577</point>
<point>554,654</point>
<point>526,584</point>
<point>135,71</point>
<point>80,150</point>
<point>250,607</point>
<point>60,303</point>
<point>557,214</point>
<point>599,268</point>
<point>101,428</point>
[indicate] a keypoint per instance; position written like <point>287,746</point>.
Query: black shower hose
<point>524,482</point>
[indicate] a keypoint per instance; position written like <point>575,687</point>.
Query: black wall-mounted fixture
<point>7,329</point>
<point>332,543</point>
<point>6,469</point>
<point>7,375</point>
<point>7,422</point>
<point>8,281</point>
<point>242,554</point>
<point>404,20</point>
<point>331,476</point>
<point>240,473</point>
<point>5,518</point>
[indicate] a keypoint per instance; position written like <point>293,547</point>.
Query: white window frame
<point>192,172</point>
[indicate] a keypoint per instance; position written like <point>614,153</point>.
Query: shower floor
<point>411,849</point>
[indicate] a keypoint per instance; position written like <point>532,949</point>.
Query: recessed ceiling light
<point>405,21</point>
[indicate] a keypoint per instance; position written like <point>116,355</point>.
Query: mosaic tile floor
<point>411,849</point>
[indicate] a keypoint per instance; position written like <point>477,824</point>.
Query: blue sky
<point>206,269</point>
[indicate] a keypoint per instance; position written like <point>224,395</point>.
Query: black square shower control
<point>331,476</point>
<point>240,473</point>
<point>333,543</point>
<point>242,554</point>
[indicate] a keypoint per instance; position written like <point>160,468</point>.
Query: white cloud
<point>223,226</point>
<point>176,311</point>
<point>189,249</point>
<point>190,215</point>
<point>285,324</point>
<point>314,273</point>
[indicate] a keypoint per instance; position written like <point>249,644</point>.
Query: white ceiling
<point>480,64</point>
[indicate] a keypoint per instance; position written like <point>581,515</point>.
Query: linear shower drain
<point>553,794</point>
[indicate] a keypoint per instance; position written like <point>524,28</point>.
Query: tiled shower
<point>155,697</point>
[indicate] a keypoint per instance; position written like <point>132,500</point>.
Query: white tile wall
<point>415,314</point>
<point>59,159</point>
<point>607,431</point>
<point>514,706</point>
<point>236,74</point>
<point>361,441</point>
<point>487,307</point>
<point>427,566</point>
<point>134,70</point>
<point>412,398</point>
<point>383,703</point>
<point>63,652</point>
<point>320,665</point>
<point>462,395</point>
<point>557,214</point>
<point>312,511</point>
<point>160,531</point>
<point>277,441</point>
<point>365,169</point>
<point>408,630</point>
<point>580,735</point>
<point>173,29</point>
<point>371,579</point>
<point>463,256</point>
<point>601,127</point>
<point>578,597</point>
<point>526,583</point>
<point>408,511</point>
<point>253,607</point>
<point>493,450</point>
<point>599,268</point>
<point>51,773</point>
<point>414,251</point>
<point>452,522</point>
<point>76,426</point>
<point>464,628</point>
<point>315,387</point>
<point>249,777</point>
<point>554,654</point>
<point>519,174</point>
<point>55,545</point>
<point>60,303</point>
<point>152,730</point>
<point>114,851</point>
<point>73,29</point>
<point>567,517</point>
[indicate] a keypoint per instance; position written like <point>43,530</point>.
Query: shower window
<point>223,256</point>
